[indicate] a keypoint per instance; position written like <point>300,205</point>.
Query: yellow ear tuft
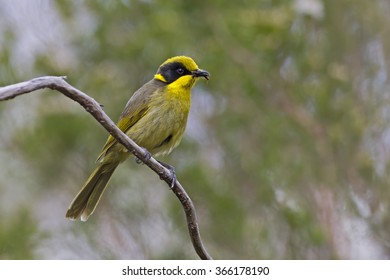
<point>160,77</point>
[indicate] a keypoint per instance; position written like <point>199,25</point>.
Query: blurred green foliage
<point>286,154</point>
<point>16,236</point>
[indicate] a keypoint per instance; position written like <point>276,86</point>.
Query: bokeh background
<point>286,153</point>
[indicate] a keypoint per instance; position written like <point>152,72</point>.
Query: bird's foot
<point>148,155</point>
<point>173,173</point>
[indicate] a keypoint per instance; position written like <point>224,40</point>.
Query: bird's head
<point>181,70</point>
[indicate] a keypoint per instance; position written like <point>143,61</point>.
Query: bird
<point>155,117</point>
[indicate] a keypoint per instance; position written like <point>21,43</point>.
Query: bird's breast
<point>162,127</point>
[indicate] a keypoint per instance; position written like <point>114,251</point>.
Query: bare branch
<point>94,108</point>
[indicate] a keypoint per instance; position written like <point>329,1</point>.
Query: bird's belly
<point>160,131</point>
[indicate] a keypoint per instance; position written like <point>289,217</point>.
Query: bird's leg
<point>148,155</point>
<point>172,170</point>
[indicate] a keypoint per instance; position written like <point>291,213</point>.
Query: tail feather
<point>85,202</point>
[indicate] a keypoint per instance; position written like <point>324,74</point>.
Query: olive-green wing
<point>123,124</point>
<point>135,109</point>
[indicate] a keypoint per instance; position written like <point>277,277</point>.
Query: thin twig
<point>94,108</point>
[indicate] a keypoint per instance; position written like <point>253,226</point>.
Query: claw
<point>173,173</point>
<point>148,155</point>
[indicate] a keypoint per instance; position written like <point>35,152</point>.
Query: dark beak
<point>201,73</point>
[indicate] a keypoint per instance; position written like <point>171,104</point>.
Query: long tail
<point>87,199</point>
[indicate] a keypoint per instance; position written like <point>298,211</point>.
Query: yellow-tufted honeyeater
<point>155,117</point>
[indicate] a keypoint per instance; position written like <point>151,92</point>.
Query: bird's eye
<point>180,71</point>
